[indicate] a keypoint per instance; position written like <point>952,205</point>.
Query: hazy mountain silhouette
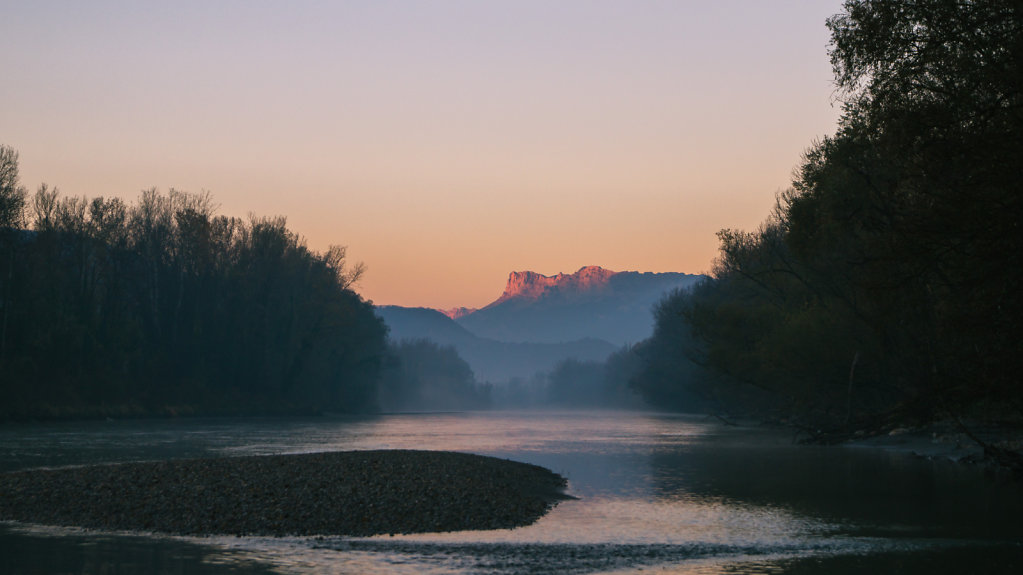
<point>457,312</point>
<point>490,360</point>
<point>590,303</point>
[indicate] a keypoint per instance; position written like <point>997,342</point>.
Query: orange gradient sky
<point>445,143</point>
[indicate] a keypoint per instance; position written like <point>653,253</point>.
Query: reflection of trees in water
<point>123,554</point>
<point>955,559</point>
<point>871,488</point>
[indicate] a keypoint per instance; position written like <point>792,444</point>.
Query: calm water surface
<point>656,493</point>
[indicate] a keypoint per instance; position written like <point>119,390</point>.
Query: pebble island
<point>355,493</point>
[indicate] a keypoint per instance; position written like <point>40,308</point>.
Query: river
<point>669,494</point>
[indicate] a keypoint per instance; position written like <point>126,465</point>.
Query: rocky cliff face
<point>531,285</point>
<point>591,303</point>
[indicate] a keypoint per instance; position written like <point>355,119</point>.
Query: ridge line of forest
<point>885,288</point>
<point>164,307</point>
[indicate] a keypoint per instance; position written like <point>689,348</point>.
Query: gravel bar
<point>355,493</point>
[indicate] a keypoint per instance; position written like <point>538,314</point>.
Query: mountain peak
<point>457,312</point>
<point>531,285</point>
<point>591,302</point>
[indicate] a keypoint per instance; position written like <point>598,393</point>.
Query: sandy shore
<point>343,493</point>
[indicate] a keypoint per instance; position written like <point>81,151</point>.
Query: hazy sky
<point>445,143</point>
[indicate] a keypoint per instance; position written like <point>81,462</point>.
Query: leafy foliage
<point>423,376</point>
<point>886,285</point>
<point>163,306</point>
<point>603,384</point>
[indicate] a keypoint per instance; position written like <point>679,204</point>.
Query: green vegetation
<point>885,288</point>
<point>604,384</point>
<point>424,376</point>
<point>163,307</point>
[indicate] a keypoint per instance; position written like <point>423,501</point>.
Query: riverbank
<point>997,447</point>
<point>356,493</point>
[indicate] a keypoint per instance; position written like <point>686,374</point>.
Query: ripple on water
<point>663,494</point>
<point>399,557</point>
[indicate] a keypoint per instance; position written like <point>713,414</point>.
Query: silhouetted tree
<point>12,193</point>
<point>886,286</point>
<point>12,210</point>
<point>423,376</point>
<point>162,306</point>
<point>601,384</point>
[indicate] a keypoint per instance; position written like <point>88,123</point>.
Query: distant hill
<point>457,312</point>
<point>490,360</point>
<point>591,303</point>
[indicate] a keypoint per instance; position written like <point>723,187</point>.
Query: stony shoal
<point>353,493</point>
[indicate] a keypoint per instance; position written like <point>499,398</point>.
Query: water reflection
<point>865,491</point>
<point>671,494</point>
<point>43,550</point>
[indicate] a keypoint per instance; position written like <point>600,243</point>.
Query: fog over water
<point>677,494</point>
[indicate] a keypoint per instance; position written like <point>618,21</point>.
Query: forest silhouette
<point>164,307</point>
<point>884,289</point>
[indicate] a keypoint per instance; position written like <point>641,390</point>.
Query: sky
<point>445,143</point>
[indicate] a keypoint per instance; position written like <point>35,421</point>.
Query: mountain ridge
<point>529,284</point>
<point>490,360</point>
<point>457,312</point>
<point>540,320</point>
<point>592,302</point>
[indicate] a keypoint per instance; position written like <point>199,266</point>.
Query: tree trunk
<point>848,397</point>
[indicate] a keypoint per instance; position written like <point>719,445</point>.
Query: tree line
<point>420,375</point>
<point>163,306</point>
<point>885,287</point>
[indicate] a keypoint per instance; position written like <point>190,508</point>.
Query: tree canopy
<point>886,284</point>
<point>163,306</point>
